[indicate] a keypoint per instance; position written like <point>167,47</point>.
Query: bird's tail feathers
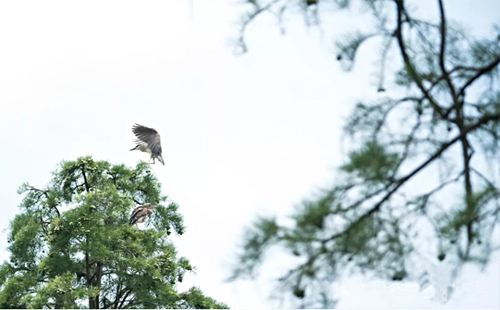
<point>160,158</point>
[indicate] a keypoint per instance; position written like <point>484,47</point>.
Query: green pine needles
<point>72,246</point>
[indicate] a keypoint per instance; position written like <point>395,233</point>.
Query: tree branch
<point>480,72</point>
<point>403,180</point>
<point>426,196</point>
<point>77,186</point>
<point>406,58</point>
<point>442,54</point>
<point>248,19</point>
<point>118,294</point>
<point>87,188</point>
<point>408,143</point>
<point>128,290</point>
<point>46,194</point>
<point>488,181</point>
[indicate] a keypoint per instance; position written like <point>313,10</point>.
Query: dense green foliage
<point>72,245</point>
<point>423,162</point>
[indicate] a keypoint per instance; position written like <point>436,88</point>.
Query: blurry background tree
<point>422,164</point>
<point>72,245</point>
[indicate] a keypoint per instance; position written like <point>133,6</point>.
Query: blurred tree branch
<point>447,120</point>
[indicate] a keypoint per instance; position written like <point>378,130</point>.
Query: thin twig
<point>250,18</point>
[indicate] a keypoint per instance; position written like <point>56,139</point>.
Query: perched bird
<point>141,213</point>
<point>148,141</point>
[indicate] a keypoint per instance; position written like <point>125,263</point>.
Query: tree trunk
<point>98,281</point>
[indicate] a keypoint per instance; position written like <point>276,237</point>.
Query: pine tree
<point>424,163</point>
<point>72,246</point>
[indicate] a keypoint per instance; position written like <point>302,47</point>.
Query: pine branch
<point>249,19</point>
<point>408,63</point>
<point>442,54</point>
<point>403,180</point>
<point>480,72</point>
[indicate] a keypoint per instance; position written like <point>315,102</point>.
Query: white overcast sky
<point>241,136</point>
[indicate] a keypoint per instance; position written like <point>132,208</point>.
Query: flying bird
<point>141,213</point>
<point>148,141</point>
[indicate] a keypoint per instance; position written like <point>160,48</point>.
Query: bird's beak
<point>161,160</point>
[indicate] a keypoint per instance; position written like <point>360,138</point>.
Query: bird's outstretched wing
<point>149,136</point>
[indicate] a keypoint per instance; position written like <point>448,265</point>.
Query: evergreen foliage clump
<point>72,246</point>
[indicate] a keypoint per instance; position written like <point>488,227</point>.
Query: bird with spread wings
<point>141,213</point>
<point>148,141</point>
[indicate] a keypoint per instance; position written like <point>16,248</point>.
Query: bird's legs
<point>149,163</point>
<point>152,159</point>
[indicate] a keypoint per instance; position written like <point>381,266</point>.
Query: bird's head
<point>161,160</point>
<point>149,206</point>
